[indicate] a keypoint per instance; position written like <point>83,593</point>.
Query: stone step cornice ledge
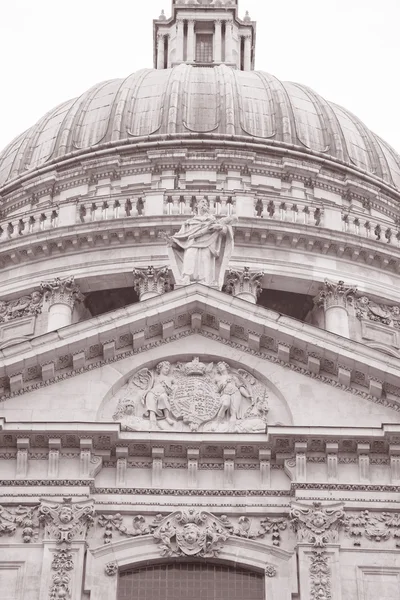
<point>188,304</point>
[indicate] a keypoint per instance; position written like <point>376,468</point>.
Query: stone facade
<point>192,426</point>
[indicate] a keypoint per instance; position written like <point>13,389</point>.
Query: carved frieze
<point>193,396</point>
<point>193,532</point>
<point>375,527</point>
<point>30,305</point>
<point>21,518</point>
<point>379,313</point>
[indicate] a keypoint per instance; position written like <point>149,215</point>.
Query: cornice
<point>264,331</point>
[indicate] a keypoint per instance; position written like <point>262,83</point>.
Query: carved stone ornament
<point>320,577</point>
<point>193,532</point>
<point>61,583</point>
<point>317,524</point>
<point>270,571</point>
<point>151,282</point>
<point>192,396</point>
<point>201,250</point>
<point>379,313</point>
<point>244,283</point>
<point>21,307</point>
<point>376,527</point>
<point>20,518</point>
<point>66,521</point>
<point>61,291</point>
<point>111,569</point>
<point>335,294</point>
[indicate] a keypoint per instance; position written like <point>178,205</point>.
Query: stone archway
<point>105,563</point>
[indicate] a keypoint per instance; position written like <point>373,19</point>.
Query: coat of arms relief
<point>193,396</point>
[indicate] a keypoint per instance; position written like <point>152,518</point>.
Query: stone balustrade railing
<point>109,208</point>
<point>181,203</point>
<point>371,228</point>
<point>301,212</point>
<point>28,223</point>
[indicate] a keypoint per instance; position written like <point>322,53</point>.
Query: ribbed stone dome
<point>219,101</point>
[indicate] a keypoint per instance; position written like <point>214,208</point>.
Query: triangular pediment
<point>198,310</point>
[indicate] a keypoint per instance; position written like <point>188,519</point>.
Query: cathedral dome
<point>187,101</point>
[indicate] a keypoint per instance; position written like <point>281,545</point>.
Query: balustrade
<point>28,223</point>
<point>292,212</point>
<point>184,203</point>
<point>371,228</point>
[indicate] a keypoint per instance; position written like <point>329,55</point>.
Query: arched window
<point>190,581</point>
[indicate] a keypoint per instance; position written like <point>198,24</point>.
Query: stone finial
<point>62,291</point>
<point>335,294</point>
<point>151,282</point>
<point>162,16</point>
<point>244,284</point>
<point>247,17</point>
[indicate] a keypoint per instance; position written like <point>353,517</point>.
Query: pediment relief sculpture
<point>192,396</point>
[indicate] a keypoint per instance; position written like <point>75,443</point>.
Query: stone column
<point>62,295</point>
<point>244,284</point>
<point>229,41</point>
<point>218,41</point>
<point>179,40</point>
<point>190,41</point>
<point>335,299</point>
<point>160,51</point>
<point>247,52</point>
<point>151,282</point>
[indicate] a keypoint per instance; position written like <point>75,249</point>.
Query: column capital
<point>151,282</point>
<point>335,294</point>
<point>62,291</point>
<point>244,284</point>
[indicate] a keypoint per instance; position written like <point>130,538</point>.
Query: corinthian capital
<point>244,284</point>
<point>61,291</point>
<point>151,282</point>
<point>335,294</point>
<point>66,522</point>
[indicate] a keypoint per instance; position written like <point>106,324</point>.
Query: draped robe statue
<point>201,250</point>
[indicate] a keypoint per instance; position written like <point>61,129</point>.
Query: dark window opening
<point>293,305</point>
<point>204,48</point>
<point>190,581</point>
<point>103,301</point>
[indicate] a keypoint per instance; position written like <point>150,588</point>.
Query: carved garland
<point>192,532</point>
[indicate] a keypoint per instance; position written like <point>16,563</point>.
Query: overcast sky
<point>346,50</point>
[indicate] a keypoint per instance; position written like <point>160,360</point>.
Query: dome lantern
<point>204,33</point>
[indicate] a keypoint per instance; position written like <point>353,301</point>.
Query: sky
<point>346,50</point>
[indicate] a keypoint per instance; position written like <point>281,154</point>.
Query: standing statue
<point>156,400</point>
<point>201,250</point>
<point>233,391</point>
